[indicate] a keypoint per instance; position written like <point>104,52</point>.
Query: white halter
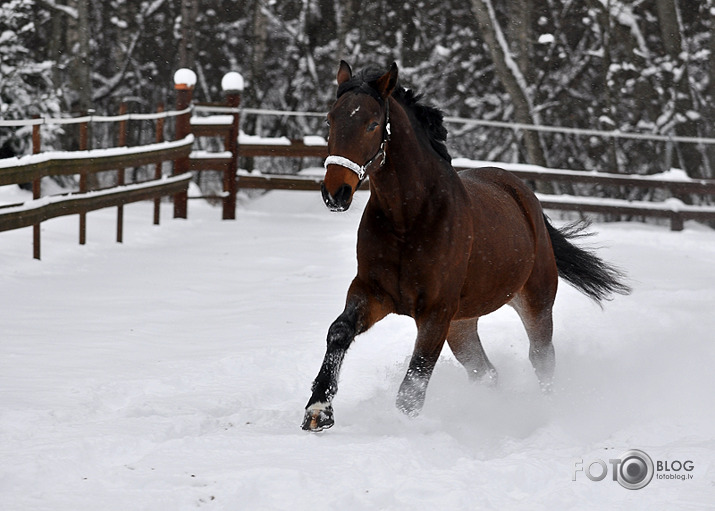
<point>348,164</point>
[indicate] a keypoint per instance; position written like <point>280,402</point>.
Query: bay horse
<point>442,247</point>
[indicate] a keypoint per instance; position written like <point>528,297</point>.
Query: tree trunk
<point>511,77</point>
<point>81,68</point>
<point>254,94</point>
<point>187,44</point>
<point>519,30</point>
<point>605,27</point>
<point>691,158</point>
<point>710,107</point>
<point>260,46</point>
<point>345,11</point>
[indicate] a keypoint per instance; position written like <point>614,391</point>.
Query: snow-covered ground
<point>170,373</point>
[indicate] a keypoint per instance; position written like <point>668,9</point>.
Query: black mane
<point>429,119</point>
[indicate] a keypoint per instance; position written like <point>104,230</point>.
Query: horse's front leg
<point>431,335</point>
<point>362,310</point>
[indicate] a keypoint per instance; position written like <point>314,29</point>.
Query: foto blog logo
<point>634,469</point>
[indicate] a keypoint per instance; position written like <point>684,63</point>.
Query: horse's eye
<point>372,127</point>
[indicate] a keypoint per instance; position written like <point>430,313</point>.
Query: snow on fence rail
<point>58,163</point>
<point>677,183</point>
<point>89,118</point>
<point>38,210</point>
<point>673,209</point>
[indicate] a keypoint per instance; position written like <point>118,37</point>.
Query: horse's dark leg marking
<point>361,312</point>
<point>319,410</point>
<point>431,334</point>
<point>463,339</point>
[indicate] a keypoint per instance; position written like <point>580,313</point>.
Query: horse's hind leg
<point>535,314</point>
<point>463,339</point>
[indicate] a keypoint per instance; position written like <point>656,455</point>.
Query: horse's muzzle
<point>341,200</point>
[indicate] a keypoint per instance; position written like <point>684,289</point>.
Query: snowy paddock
<point>171,372</point>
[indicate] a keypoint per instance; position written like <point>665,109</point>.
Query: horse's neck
<point>401,188</point>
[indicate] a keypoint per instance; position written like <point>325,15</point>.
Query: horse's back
<point>497,180</point>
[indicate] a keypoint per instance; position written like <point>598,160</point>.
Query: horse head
<point>359,131</point>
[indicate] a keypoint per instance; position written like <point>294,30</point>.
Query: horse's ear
<point>387,82</point>
<point>344,72</point>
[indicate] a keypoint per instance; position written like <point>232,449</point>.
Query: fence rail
<point>37,211</point>
<point>39,121</point>
<point>673,209</point>
<point>66,163</point>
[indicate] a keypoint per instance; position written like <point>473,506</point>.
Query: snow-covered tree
<point>25,87</point>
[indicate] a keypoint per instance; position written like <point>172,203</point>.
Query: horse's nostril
<point>342,196</point>
<point>340,201</point>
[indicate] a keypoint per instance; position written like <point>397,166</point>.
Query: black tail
<point>582,268</point>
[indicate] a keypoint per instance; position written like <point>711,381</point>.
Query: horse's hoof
<point>409,411</point>
<point>411,397</point>
<point>318,418</point>
<point>488,378</point>
<point>409,405</point>
<point>547,388</point>
<point>491,379</point>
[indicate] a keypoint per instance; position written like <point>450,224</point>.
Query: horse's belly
<point>493,279</point>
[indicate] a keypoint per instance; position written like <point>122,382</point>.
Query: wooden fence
<point>85,162</point>
<point>674,209</point>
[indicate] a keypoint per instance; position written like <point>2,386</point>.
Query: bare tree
<point>345,11</point>
<point>685,124</point>
<point>520,19</point>
<point>187,44</point>
<point>511,77</point>
<point>81,67</point>
<point>710,106</point>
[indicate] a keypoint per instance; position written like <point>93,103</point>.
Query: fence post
<point>184,81</point>
<point>122,142</point>
<point>36,189</point>
<point>157,167</point>
<point>83,146</point>
<point>232,85</point>
<point>676,222</point>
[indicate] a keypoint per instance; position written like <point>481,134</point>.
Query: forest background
<point>638,66</point>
